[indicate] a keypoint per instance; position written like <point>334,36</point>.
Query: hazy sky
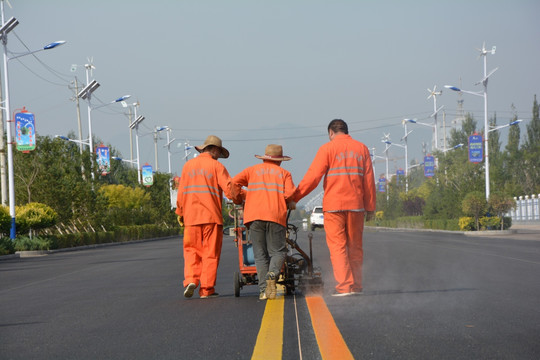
<point>259,72</point>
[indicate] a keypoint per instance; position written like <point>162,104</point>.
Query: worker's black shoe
<point>189,290</point>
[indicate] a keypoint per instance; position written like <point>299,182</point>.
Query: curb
<point>490,232</point>
<point>39,253</point>
<point>466,233</point>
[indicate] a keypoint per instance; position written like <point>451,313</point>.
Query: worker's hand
<point>291,205</point>
<point>180,220</point>
<point>370,215</point>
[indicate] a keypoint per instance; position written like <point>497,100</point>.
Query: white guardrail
<point>527,208</point>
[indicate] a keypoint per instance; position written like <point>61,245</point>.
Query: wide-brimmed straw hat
<point>273,152</point>
<point>215,141</point>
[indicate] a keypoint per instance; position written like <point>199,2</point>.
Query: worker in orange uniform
<point>199,202</point>
<point>267,196</point>
<point>349,194</point>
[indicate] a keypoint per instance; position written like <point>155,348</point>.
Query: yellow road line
<point>269,343</point>
<point>331,343</point>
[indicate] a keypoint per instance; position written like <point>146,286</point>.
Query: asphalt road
<point>426,296</point>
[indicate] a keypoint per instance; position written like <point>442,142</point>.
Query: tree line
<point>514,170</point>
<point>59,175</point>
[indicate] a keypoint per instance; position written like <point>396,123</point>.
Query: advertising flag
<point>429,166</point>
<point>382,184</point>
<point>103,160</point>
<point>476,150</point>
<point>25,131</point>
<point>147,175</point>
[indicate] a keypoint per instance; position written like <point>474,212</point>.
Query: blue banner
<point>382,184</point>
<point>103,159</point>
<point>429,166</point>
<point>476,150</point>
<point>147,175</point>
<point>400,172</point>
<point>25,131</point>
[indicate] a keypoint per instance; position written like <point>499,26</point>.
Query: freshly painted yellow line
<point>269,345</point>
<point>331,343</point>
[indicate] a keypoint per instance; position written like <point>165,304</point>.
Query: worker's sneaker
<point>188,291</point>
<point>357,291</point>
<point>337,293</point>
<point>271,285</point>
<point>262,295</point>
<point>214,295</point>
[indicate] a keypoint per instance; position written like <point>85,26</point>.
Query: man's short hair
<point>338,126</point>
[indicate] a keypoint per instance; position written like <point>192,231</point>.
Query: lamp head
<point>54,44</point>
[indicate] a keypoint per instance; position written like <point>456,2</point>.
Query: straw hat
<point>215,141</point>
<point>273,152</point>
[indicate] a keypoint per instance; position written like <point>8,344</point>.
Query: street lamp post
<point>484,82</point>
<point>156,130</point>
<point>434,93</point>
<point>168,146</point>
<point>404,138</point>
<point>388,142</point>
<point>434,143</point>
<point>4,31</point>
<point>131,116</point>
<point>86,94</point>
<point>135,125</point>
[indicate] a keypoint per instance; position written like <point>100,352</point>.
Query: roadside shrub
<point>490,222</point>
<point>441,224</point>
<point>467,223</point>
<point>507,222</point>
<point>24,243</point>
<point>34,217</point>
<point>6,246</point>
<point>5,220</point>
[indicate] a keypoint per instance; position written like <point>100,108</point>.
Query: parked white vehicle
<point>317,218</point>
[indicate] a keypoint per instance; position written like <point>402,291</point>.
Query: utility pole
<point>78,115</point>
<point>3,174</point>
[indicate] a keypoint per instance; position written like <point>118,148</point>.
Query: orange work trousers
<point>202,249</point>
<point>344,239</point>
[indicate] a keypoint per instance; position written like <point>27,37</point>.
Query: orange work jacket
<point>269,187</point>
<point>349,183</point>
<point>200,191</point>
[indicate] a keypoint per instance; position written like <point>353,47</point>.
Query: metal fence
<point>527,208</point>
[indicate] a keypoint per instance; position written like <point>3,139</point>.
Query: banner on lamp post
<point>476,149</point>
<point>147,175</point>
<point>382,184</point>
<point>103,159</point>
<point>25,131</point>
<point>400,172</point>
<point>429,166</point>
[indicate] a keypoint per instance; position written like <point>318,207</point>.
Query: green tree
<point>512,169</point>
<point>531,154</point>
<point>500,204</point>
<point>474,204</point>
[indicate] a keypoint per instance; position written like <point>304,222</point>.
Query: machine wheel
<point>237,284</point>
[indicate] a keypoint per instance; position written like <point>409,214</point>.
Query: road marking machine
<point>298,271</point>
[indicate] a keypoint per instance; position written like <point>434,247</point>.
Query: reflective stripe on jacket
<point>346,166</point>
<point>269,186</point>
<point>200,191</point>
